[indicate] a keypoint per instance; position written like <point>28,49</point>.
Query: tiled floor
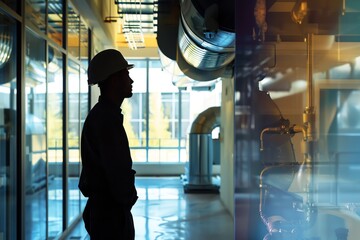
<point>165,212</point>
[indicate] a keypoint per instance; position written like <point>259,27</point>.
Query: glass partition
<point>35,14</point>
<point>84,110</point>
<point>8,130</point>
<point>297,156</point>
<point>73,140</point>
<point>84,44</point>
<point>73,33</point>
<point>55,21</point>
<point>36,171</point>
<point>55,149</point>
<point>84,87</point>
<point>35,138</point>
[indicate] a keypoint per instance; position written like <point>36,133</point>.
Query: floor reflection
<point>164,212</point>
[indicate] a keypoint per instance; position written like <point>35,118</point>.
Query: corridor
<point>165,212</point>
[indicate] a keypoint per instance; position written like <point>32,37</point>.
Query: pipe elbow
<point>206,121</point>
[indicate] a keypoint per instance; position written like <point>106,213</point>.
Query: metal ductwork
<point>206,121</point>
<point>201,155</point>
<point>203,45</point>
<point>182,81</point>
<point>206,42</point>
<point>6,52</point>
<point>202,42</point>
<point>6,45</point>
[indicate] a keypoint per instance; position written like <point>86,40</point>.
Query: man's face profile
<point>123,83</point>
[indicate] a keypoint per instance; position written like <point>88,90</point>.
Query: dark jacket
<point>107,164</point>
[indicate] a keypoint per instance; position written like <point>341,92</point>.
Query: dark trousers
<point>106,220</point>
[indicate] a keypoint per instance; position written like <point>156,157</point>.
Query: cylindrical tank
<point>200,159</point>
<point>198,169</point>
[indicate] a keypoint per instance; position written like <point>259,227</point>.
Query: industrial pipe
<point>199,167</point>
<point>206,121</point>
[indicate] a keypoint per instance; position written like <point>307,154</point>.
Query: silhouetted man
<point>107,177</point>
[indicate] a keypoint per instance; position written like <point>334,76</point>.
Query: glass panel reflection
<point>55,142</point>
<point>84,44</point>
<point>8,131</point>
<point>84,109</point>
<point>296,144</point>
<point>55,20</point>
<point>340,133</point>
<point>73,32</point>
<point>35,14</point>
<point>35,141</point>
<point>73,140</point>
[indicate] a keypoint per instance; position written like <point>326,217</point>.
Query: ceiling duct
<point>182,81</point>
<point>205,42</point>
<point>199,36</point>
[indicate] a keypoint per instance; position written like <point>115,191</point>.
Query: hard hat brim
<point>130,66</point>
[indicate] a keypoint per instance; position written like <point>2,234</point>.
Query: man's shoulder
<point>100,113</point>
<point>98,108</point>
<point>94,114</point>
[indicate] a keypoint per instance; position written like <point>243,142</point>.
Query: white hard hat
<point>104,64</point>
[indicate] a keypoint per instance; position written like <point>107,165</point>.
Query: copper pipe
<point>309,42</point>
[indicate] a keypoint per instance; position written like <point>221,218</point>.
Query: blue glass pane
<point>8,131</point>
<point>35,138</point>
<point>55,142</point>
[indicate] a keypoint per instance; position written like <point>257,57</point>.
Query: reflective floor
<point>165,212</point>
